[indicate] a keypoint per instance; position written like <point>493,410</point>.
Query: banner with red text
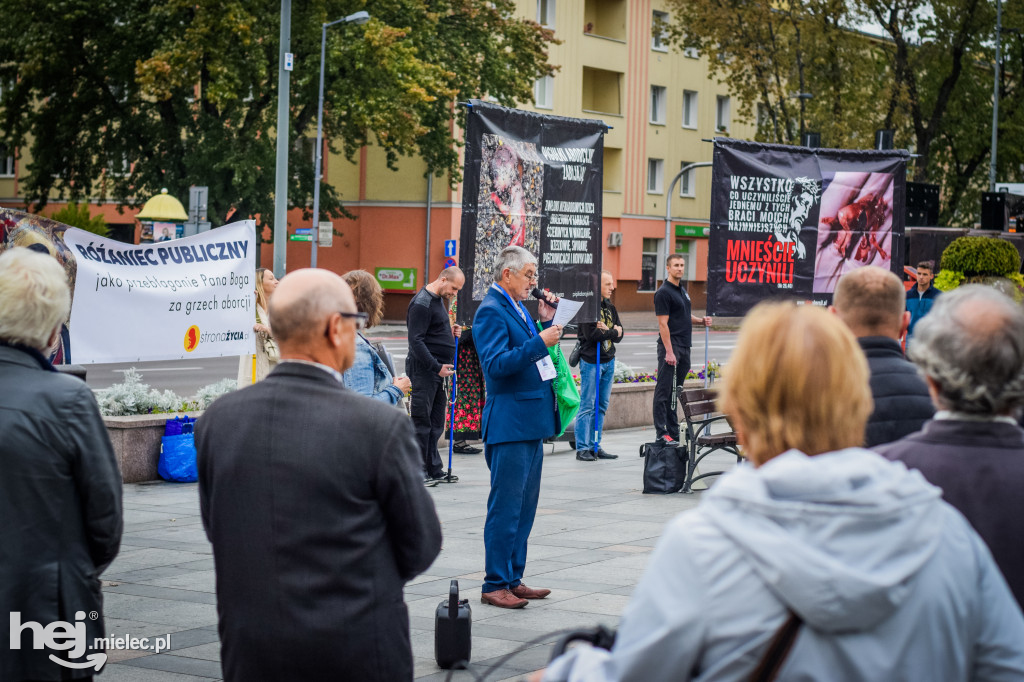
<point>788,222</point>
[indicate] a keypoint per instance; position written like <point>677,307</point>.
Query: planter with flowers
<point>632,400</point>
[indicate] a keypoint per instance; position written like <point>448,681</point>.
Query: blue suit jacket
<point>519,405</point>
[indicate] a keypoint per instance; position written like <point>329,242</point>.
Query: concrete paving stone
<point>147,557</point>
<point>146,515</point>
<point>614,533</point>
<point>182,665</point>
<point>596,573</point>
<point>496,630</point>
<point>550,621</point>
<point>159,611</point>
<point>125,673</point>
<point>185,639</point>
<point>123,627</point>
<point>598,603</point>
<point>208,652</point>
<point>561,541</point>
<point>586,556</point>
<point>120,655</point>
<point>197,581</point>
<point>157,543</point>
<point>147,574</point>
<point>164,593</point>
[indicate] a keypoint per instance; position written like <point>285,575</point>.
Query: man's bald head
<point>871,301</point>
<point>302,305</point>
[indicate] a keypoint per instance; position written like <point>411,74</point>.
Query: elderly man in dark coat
<point>60,489</point>
<point>971,350</point>
<point>870,301</point>
<point>313,500</point>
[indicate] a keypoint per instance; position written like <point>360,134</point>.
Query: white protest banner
<point>189,298</point>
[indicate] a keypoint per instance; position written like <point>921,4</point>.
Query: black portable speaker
<point>452,629</point>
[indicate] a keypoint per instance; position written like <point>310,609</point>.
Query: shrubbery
<point>134,397</point>
<point>980,260</point>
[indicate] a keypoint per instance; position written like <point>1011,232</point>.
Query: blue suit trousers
<point>511,508</point>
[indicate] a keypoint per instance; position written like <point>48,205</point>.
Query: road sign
<point>303,230</point>
<point>300,237</point>
<point>449,248</point>
<point>449,262</point>
<point>396,279</point>
<point>326,233</point>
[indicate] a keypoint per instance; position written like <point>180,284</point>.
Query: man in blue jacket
<point>519,414</point>
<point>921,298</point>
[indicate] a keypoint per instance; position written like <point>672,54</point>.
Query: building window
<point>658,104</point>
<point>659,31</point>
<point>689,109</point>
<point>602,91</point>
<point>691,52</point>
<point>546,13</point>
<point>543,92</point>
<point>686,182</point>
<point>6,162</point>
<point>655,175</point>
<point>613,175</point>
<point>722,113</point>
<point>649,265</point>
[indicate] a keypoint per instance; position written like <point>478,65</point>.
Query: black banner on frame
<point>788,222</point>
<point>534,181</point>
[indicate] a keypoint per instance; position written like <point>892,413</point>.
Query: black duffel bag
<point>664,467</point>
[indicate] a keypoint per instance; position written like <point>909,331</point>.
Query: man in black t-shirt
<point>431,354</point>
<point>675,334</point>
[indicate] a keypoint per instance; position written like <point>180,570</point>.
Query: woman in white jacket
<point>889,582</point>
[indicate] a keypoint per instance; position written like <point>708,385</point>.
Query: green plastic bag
<point>567,394</point>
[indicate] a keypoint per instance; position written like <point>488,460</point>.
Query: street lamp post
<point>995,99</point>
<point>669,246</point>
<point>357,18</point>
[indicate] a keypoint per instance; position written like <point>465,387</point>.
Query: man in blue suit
<point>519,414</point>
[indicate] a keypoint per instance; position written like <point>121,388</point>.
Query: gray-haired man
<point>970,349</point>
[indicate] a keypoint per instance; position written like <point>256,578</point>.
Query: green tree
<point>119,98</point>
<point>770,53</point>
<point>928,76</point>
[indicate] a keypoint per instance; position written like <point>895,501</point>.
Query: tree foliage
<point>119,98</point>
<point>928,76</point>
<point>78,215</point>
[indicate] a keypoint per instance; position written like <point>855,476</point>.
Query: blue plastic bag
<point>178,452</point>
<point>179,425</point>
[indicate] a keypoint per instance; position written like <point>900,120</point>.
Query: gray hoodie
<point>891,583</point>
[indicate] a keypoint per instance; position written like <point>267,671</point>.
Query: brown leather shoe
<point>524,592</point>
<point>502,599</point>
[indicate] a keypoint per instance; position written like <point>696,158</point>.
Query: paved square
<point>590,543</point>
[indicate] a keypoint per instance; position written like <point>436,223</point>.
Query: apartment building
<point>661,107</point>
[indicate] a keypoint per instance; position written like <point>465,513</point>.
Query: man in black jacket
<point>871,301</point>
<point>606,332</point>
<point>429,363</point>
<point>60,488</point>
<point>312,499</point>
<point>971,351</point>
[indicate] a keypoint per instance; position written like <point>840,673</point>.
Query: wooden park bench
<point>701,414</point>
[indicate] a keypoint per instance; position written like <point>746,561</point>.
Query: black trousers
<point>427,407</point>
<point>666,420</point>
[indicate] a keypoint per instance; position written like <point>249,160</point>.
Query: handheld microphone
<point>538,294</point>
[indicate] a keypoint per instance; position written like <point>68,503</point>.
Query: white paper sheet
<point>565,311</point>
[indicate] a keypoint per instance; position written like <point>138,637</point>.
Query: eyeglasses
<point>359,318</point>
<point>532,278</point>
